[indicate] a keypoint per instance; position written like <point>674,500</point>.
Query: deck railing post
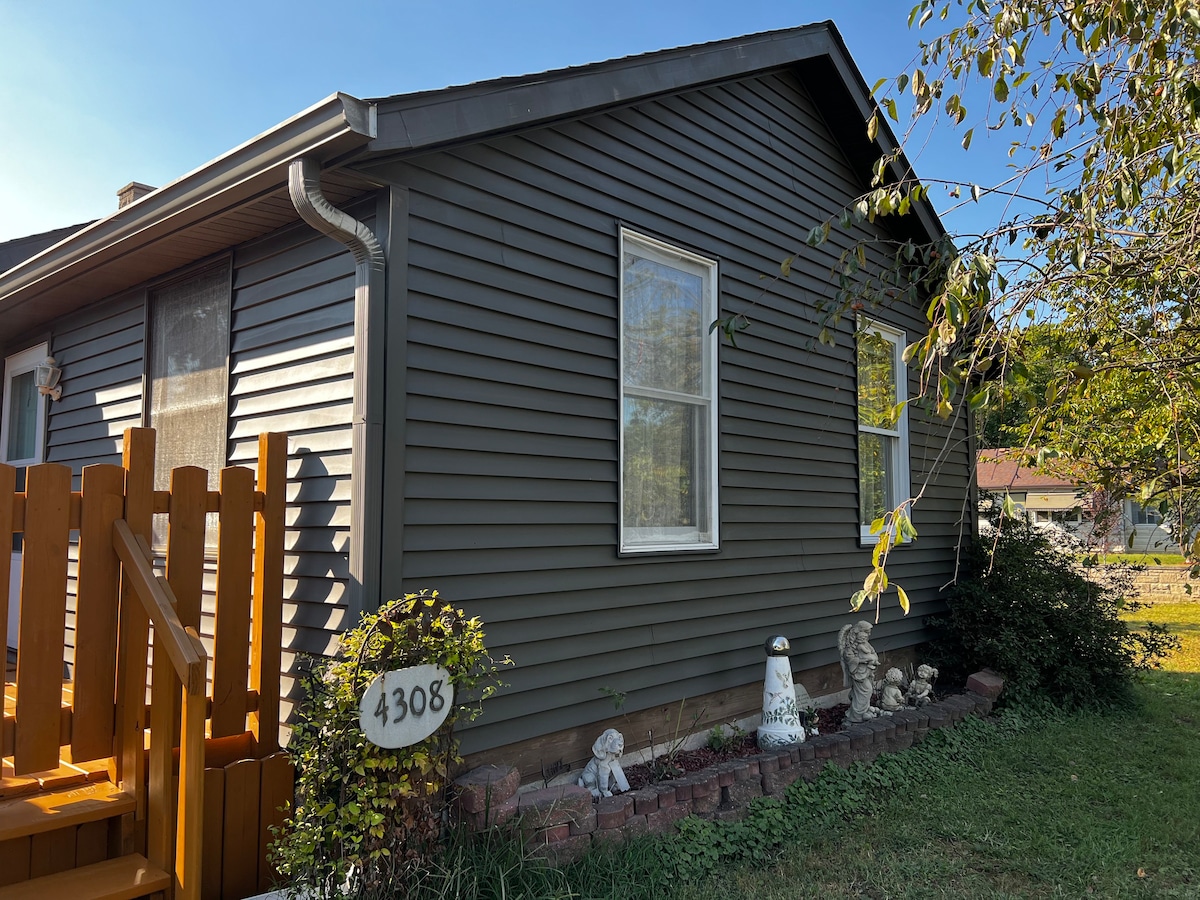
<point>267,616</point>
<point>138,459</point>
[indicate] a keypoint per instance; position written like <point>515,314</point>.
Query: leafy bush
<point>368,819</point>
<point>1052,628</point>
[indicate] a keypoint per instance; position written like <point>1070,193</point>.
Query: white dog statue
<point>602,775</point>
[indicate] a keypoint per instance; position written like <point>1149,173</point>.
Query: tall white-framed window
<point>668,398</point>
<point>883,470</point>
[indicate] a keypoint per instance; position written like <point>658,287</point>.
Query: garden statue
<point>602,775</point>
<point>891,698</point>
<point>781,715</point>
<point>920,691</point>
<point>859,662</point>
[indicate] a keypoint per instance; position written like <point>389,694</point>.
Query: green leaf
<point>966,141</point>
<point>785,267</point>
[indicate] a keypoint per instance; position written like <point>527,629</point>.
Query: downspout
<point>366,480</point>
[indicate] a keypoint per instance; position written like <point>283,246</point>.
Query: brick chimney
<point>135,190</point>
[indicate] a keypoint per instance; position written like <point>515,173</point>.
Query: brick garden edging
<point>560,823</point>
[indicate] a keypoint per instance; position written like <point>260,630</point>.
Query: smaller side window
<point>23,417</point>
<point>23,425</point>
<point>883,471</point>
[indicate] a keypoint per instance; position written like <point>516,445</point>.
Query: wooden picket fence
<point>88,799</point>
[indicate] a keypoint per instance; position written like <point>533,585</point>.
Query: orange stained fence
<point>95,544</point>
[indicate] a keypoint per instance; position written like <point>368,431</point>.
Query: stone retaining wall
<point>560,823</point>
<point>1167,583</point>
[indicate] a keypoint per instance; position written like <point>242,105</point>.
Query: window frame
<point>654,250</point>
<point>899,490</point>
<point>19,364</point>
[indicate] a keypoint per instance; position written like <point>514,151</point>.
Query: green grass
<point>1184,621</point>
<point>1140,559</point>
<point>1091,804</point>
<point>1087,804</point>
<point>1101,804</point>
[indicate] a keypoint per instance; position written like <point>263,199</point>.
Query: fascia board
<point>413,122</point>
<point>335,126</point>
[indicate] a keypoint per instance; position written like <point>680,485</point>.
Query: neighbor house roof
<point>998,470</point>
<point>243,193</point>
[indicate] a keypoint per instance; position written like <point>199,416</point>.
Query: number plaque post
<point>404,706</point>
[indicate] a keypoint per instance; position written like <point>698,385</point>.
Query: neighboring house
<point>507,389</point>
<point>1051,500</point>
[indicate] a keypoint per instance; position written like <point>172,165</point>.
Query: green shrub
<point>1027,609</point>
<point>367,820</point>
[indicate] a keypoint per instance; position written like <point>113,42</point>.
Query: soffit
<point>237,197</point>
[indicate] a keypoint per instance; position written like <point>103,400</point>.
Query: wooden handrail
<point>187,656</point>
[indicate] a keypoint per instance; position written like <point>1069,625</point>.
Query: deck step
<point>38,813</point>
<point>124,878</point>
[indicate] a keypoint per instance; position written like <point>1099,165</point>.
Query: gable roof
<point>18,250</point>
<point>998,470</point>
<point>243,193</point>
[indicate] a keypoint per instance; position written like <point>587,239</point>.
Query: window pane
<point>874,476</point>
<point>189,379</point>
<point>876,380</point>
<point>665,461</point>
<point>664,329</point>
<point>23,422</point>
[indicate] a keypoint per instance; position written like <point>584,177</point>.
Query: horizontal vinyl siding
<point>291,369</point>
<point>100,352</point>
<point>511,476</point>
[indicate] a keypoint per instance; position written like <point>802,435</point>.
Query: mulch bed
<point>829,720</point>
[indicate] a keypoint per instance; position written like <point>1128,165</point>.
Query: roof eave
<point>430,120</point>
<point>328,130</point>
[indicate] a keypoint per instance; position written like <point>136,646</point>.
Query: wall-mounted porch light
<point>46,375</point>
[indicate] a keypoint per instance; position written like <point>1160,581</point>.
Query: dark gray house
<point>481,314</point>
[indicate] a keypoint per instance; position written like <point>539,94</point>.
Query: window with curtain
<point>883,476</point>
<point>189,378</point>
<point>668,391</point>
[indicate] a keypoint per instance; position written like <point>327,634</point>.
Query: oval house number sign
<point>406,705</point>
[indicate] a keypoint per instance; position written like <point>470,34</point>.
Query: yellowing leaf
<point>903,599</point>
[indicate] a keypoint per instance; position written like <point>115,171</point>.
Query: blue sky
<point>94,95</point>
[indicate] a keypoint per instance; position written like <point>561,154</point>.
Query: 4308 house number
<point>402,707</point>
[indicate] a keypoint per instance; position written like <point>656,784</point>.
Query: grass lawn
<point>1090,804</point>
<point>1141,559</point>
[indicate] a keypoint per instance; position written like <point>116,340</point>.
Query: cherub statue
<point>920,691</point>
<point>603,775</point>
<point>891,698</point>
<point>859,662</point>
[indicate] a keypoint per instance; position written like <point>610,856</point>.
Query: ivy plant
<point>366,818</point>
